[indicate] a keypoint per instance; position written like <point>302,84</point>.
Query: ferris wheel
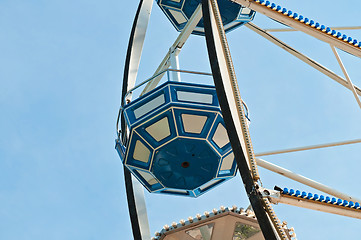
<point>184,139</point>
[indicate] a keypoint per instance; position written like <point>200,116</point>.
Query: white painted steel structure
<point>298,149</point>
<point>233,97</point>
<point>352,87</point>
<point>304,180</point>
<point>302,57</point>
<point>288,21</point>
<point>277,197</point>
<point>176,47</point>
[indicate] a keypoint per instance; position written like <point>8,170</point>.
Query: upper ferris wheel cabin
<point>180,11</point>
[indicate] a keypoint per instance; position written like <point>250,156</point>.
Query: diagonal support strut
<point>302,57</point>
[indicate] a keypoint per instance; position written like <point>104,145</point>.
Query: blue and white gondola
<point>178,143</point>
<point>179,12</point>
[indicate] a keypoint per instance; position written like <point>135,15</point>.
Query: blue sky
<point>61,68</point>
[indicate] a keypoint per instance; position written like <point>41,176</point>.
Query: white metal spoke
<point>298,149</point>
<point>174,64</point>
<point>141,208</point>
<point>177,45</point>
<point>304,180</point>
<point>138,42</point>
<point>135,48</point>
<point>302,57</point>
<point>346,75</point>
<point>293,23</point>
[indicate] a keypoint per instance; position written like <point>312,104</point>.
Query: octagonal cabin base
<point>178,142</point>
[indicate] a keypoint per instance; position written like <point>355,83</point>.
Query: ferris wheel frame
<point>134,190</point>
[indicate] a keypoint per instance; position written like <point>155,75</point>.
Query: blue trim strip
<point>321,198</point>
<point>309,22</point>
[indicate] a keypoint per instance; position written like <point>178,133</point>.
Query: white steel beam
<point>135,192</point>
<point>308,148</point>
<point>141,208</point>
<point>304,180</point>
<point>291,22</point>
<point>138,41</point>
<point>346,75</point>
<point>295,30</point>
<point>315,205</point>
<point>302,57</point>
<point>177,45</point>
<point>174,64</point>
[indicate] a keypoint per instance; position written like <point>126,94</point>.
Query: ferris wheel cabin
<point>180,11</point>
<point>178,142</point>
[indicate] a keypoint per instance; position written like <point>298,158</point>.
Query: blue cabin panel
<point>228,166</point>
<point>147,179</point>
<point>150,104</point>
<point>177,192</point>
<point>159,129</point>
<point>120,149</point>
<point>139,152</point>
<point>218,136</point>
<point>194,94</point>
<point>245,15</point>
<point>185,164</point>
<point>211,184</point>
<point>194,122</point>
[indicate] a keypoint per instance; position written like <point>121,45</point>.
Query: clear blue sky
<point>61,67</point>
